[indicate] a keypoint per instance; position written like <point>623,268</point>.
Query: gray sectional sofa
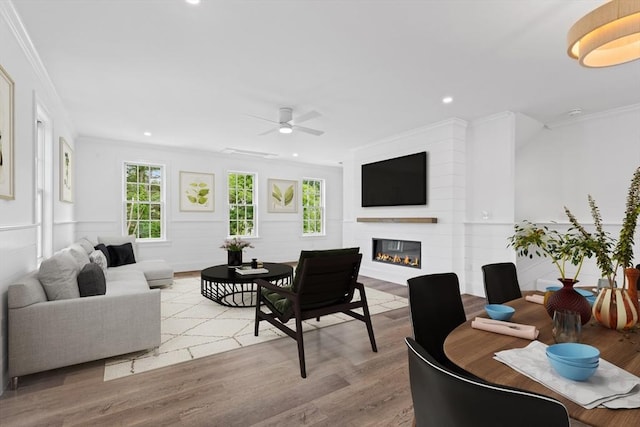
<point>50,325</point>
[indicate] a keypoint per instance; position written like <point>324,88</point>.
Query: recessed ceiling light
<point>447,100</point>
<point>295,154</point>
<point>193,1</point>
<point>147,133</point>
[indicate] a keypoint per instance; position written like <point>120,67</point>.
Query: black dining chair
<point>443,398</point>
<point>436,309</point>
<point>501,282</point>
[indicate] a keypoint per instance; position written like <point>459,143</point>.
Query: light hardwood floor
<point>346,385</point>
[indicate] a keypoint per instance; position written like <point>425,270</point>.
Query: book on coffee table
<point>248,270</point>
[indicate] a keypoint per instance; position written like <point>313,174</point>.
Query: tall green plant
<point>611,255</point>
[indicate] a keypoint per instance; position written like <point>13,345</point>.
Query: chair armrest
<point>275,288</point>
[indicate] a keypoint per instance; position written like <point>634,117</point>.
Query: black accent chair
<point>325,284</point>
<point>436,310</point>
<point>444,398</point>
<point>501,282</point>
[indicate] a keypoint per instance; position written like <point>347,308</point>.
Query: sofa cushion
<point>125,282</point>
<point>79,255</point>
<point>91,281</point>
<point>86,244</point>
<point>103,248</point>
<point>153,269</point>
<point>120,240</point>
<point>121,254</point>
<point>97,257</point>
<point>58,276</point>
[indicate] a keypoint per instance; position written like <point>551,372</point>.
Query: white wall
<point>490,165</point>
<point>508,167</point>
<point>194,238</point>
<point>595,154</point>
<point>17,228</point>
<point>442,243</point>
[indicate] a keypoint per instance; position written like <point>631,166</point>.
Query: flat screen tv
<point>401,181</point>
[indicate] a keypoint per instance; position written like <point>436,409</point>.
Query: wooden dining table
<point>473,350</point>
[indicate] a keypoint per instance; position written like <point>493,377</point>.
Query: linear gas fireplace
<point>399,252</point>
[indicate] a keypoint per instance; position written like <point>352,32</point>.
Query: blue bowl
<point>591,299</point>
<point>570,362</point>
<point>576,373</point>
<point>499,311</point>
<point>553,288</point>
<point>574,352</point>
<point>585,293</point>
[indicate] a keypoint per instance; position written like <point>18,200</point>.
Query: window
<point>144,200</point>
<point>312,206</point>
<point>242,208</point>
<point>43,182</point>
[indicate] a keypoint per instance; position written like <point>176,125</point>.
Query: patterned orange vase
<point>632,275</point>
<point>614,309</point>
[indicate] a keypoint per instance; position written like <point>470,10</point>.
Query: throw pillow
<point>121,254</point>
<point>79,255</point>
<point>97,257</point>
<point>102,248</point>
<point>91,281</point>
<point>120,240</point>
<point>86,244</point>
<point>58,275</point>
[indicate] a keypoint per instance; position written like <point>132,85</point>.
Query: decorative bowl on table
<point>576,373</point>
<point>499,311</point>
<point>574,361</point>
<point>574,352</point>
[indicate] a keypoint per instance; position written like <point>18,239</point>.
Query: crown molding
<point>17,28</point>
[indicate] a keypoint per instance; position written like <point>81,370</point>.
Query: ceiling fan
<point>286,122</point>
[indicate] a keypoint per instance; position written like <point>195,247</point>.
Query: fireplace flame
<point>397,259</point>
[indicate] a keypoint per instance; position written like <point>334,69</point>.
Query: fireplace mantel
<point>420,219</point>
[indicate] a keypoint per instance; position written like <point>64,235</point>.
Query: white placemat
<point>610,386</point>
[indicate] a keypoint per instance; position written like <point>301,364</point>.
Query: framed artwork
<point>6,135</point>
<point>66,172</point>
<point>196,192</point>
<point>283,196</point>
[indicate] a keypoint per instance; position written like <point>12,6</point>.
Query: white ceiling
<point>193,75</point>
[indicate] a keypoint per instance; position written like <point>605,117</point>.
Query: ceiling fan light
<point>285,128</point>
<point>608,35</point>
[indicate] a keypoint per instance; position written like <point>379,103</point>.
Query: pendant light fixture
<point>609,35</point>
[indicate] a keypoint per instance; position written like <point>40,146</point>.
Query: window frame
<point>162,203</point>
<point>321,207</point>
<point>254,205</point>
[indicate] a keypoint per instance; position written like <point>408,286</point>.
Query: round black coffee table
<point>223,285</point>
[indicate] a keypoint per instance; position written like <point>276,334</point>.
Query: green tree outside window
<point>312,207</point>
<point>144,201</point>
<point>241,194</point>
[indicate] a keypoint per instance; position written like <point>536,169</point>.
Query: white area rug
<point>194,326</point>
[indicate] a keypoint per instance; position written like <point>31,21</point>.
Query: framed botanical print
<point>66,172</point>
<point>6,135</point>
<point>282,196</point>
<point>196,192</point>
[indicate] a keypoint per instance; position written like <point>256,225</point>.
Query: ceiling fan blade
<point>268,132</point>
<point>262,118</point>
<point>307,116</point>
<point>308,130</point>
